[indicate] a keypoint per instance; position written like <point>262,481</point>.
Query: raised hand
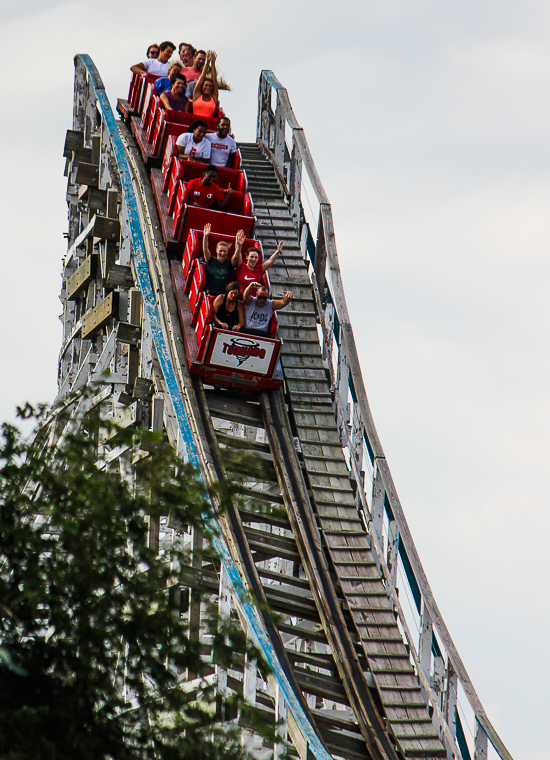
<point>240,237</point>
<point>229,190</point>
<point>280,246</point>
<point>207,229</point>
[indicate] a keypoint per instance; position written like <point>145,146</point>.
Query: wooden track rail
<point>302,538</point>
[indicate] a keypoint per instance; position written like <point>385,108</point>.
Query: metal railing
<point>439,666</point>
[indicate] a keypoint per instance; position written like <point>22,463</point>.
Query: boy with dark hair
<point>205,193</point>
<point>157,66</point>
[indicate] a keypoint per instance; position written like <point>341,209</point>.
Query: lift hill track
<point>349,679</point>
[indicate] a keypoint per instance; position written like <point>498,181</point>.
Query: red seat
<point>202,324</point>
<point>180,117</point>
<point>194,218</point>
<point>137,90</point>
<point>194,286</point>
<point>179,170</point>
<point>273,325</point>
<point>193,246</point>
<point>150,106</point>
<point>169,152</point>
<point>161,129</point>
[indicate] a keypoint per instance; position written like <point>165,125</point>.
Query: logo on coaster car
<point>242,349</point>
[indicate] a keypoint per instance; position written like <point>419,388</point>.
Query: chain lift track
<point>327,554</point>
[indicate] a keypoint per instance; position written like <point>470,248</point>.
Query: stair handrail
<point>290,162</point>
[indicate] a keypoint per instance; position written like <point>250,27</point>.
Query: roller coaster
<point>353,672</point>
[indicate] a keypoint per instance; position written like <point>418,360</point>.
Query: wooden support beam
<point>87,174</point>
<point>73,139</point>
<point>81,277</point>
<point>481,743</point>
<point>127,333</point>
<point>97,317</point>
<point>117,276</point>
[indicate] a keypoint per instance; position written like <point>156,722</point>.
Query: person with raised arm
<point>250,270</point>
<point>158,66</point>
<point>192,145</point>
<point>259,309</point>
<point>224,146</point>
<point>205,193</point>
<point>205,95</point>
<point>175,98</point>
<point>218,268</point>
<point>228,309</point>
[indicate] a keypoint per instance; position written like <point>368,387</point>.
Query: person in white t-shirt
<point>224,146</point>
<point>259,308</point>
<point>157,66</point>
<point>193,145</point>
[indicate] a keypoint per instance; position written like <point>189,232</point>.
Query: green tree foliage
<point>92,651</point>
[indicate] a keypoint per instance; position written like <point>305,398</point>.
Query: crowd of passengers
<point>238,282</point>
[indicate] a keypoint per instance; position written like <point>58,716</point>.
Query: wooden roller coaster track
<point>348,679</point>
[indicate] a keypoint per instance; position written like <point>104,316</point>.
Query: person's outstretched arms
<point>197,92</point>
<point>280,303</point>
<point>205,249</point>
<point>247,295</point>
<point>228,194</point>
<point>273,258</point>
<point>237,257</point>
<point>213,56</point>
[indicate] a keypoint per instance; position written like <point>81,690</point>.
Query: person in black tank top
<point>228,310</point>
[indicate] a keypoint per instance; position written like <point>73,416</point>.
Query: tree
<point>91,648</point>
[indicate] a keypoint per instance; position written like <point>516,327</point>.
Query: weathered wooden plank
<point>97,317</point>
<point>105,228</point>
<point>73,139</point>
<point>119,276</point>
<point>81,277</point>
<point>87,174</point>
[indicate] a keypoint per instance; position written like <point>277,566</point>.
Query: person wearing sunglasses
<point>158,66</point>
<point>258,309</point>
<point>153,51</point>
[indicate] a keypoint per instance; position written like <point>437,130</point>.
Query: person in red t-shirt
<point>205,193</point>
<point>250,270</point>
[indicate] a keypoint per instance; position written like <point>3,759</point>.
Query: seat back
<point>194,218</point>
<point>239,203</point>
<point>136,84</point>
<point>137,90</point>
<point>169,153</point>
<point>203,318</point>
<point>179,117</point>
<point>150,106</point>
<point>179,208</point>
<point>273,325</point>
<point>194,286</point>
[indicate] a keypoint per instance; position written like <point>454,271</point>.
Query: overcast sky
<point>429,122</point>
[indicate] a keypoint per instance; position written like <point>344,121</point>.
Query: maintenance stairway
<point>309,537</point>
<point>330,489</point>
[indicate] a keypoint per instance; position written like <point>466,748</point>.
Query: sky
<point>428,122</point>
